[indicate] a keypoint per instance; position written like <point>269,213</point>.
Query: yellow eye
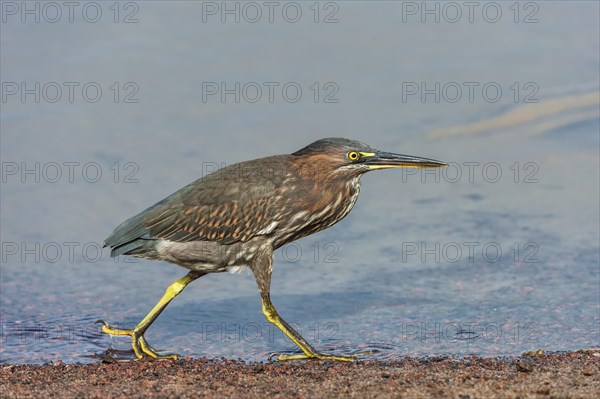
<point>353,155</point>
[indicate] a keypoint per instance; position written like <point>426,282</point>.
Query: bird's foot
<point>140,346</point>
<point>319,356</point>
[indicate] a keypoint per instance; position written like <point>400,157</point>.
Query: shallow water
<point>496,255</point>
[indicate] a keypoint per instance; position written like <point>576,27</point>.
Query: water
<point>459,263</point>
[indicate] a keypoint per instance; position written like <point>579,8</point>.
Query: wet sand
<point>560,375</point>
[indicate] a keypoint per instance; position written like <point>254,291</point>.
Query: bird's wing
<point>221,207</point>
<point>238,216</point>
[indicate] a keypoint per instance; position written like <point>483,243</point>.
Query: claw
<point>139,344</point>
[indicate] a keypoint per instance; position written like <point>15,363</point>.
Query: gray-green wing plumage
<point>208,209</point>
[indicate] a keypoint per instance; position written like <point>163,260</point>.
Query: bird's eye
<point>353,155</point>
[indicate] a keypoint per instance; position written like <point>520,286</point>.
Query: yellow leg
<point>309,352</point>
<point>138,342</point>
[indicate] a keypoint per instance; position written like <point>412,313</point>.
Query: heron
<point>239,215</point>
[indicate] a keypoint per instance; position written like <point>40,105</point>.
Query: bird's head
<point>351,157</point>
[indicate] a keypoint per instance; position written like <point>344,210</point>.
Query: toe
<point>150,351</point>
<point>337,358</point>
<point>320,356</point>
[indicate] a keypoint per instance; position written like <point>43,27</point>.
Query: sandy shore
<point>564,375</point>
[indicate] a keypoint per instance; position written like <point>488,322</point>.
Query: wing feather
<point>221,207</point>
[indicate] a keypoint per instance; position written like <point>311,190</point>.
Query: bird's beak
<point>384,160</point>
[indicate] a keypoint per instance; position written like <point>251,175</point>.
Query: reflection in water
<point>541,117</point>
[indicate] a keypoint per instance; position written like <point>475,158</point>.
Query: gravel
<point>534,375</point>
